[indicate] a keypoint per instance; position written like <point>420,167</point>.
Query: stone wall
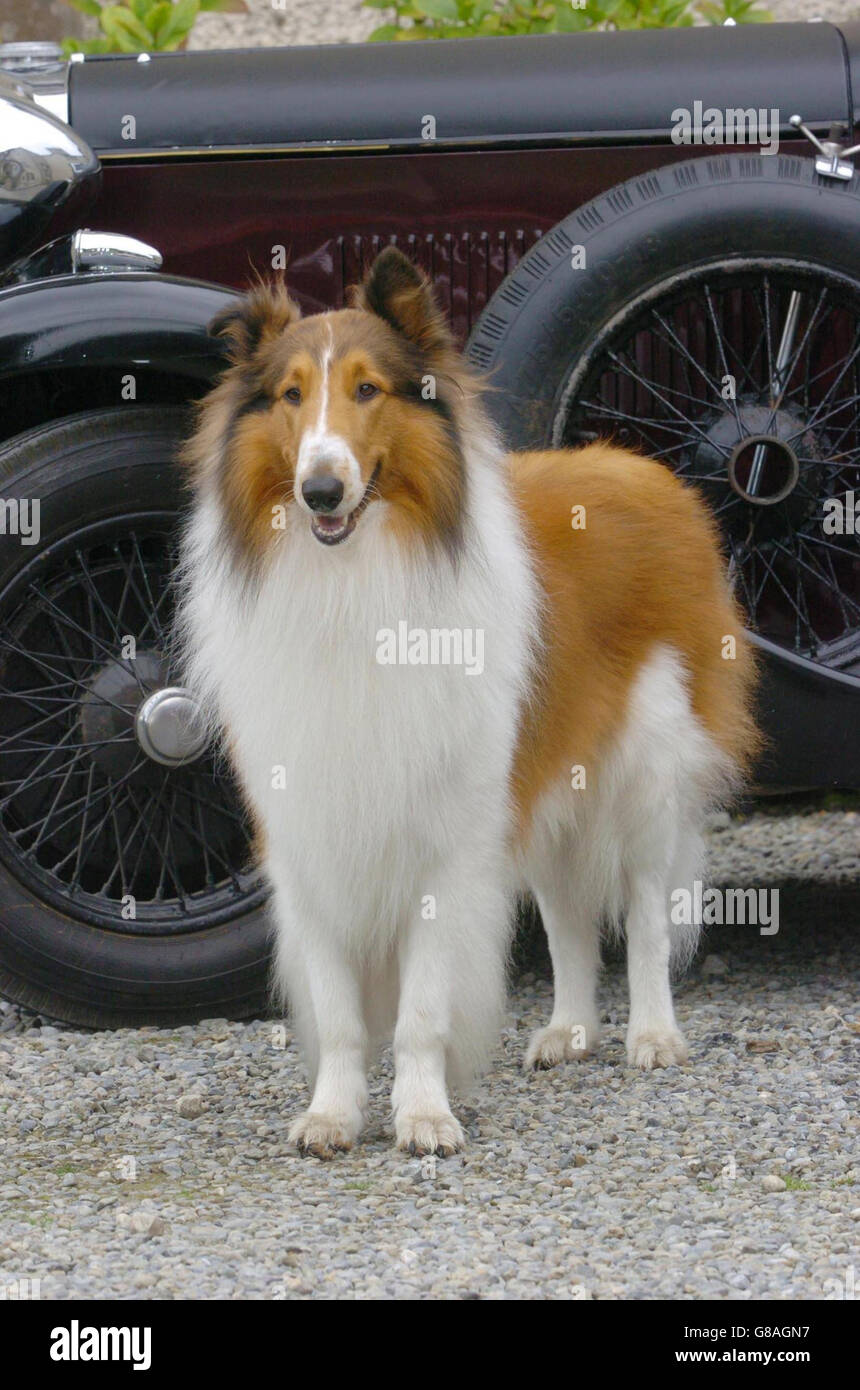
<point>40,19</point>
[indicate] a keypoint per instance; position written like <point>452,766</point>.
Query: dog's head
<point>338,416</point>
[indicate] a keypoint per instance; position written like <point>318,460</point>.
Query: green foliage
<point>143,26</point>
<point>795,1184</point>
<point>451,19</point>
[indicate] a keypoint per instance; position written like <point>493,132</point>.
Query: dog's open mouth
<point>331,530</point>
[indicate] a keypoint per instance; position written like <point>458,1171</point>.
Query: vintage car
<point>650,236</point>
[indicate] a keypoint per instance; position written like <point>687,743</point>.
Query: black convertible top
<point>596,87</point>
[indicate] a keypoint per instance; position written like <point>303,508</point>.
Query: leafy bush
<point>451,19</point>
<point>143,26</point>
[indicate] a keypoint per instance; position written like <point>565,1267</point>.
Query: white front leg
<point>330,1016</point>
<point>452,984</point>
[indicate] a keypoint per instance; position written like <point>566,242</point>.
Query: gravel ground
<point>154,1163</point>
<point>803,842</point>
<point>346,21</point>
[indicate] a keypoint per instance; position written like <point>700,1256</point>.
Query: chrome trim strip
<point>466,142</point>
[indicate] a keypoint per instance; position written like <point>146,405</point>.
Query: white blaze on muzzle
<point>322,453</point>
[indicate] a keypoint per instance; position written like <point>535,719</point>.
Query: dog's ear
<point>255,320</point>
<point>397,291</point>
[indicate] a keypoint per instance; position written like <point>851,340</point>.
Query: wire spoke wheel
<point>744,378</point>
<point>100,812</point>
<point>128,894</point>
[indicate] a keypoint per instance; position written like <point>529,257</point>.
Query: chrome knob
<point>169,727</point>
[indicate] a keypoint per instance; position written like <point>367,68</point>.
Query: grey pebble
<point>190,1107</point>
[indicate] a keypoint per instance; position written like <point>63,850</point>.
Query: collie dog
<point>445,675</point>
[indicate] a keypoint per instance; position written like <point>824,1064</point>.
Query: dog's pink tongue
<point>330,523</point>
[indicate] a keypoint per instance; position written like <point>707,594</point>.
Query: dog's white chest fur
<point>367,774</point>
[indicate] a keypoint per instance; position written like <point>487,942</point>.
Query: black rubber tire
<point>544,319</point>
<point>89,467</point>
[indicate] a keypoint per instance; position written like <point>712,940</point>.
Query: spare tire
<point>708,314</point>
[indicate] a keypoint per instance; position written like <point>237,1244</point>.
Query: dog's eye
<point>366,391</point>
<point>293,395</point>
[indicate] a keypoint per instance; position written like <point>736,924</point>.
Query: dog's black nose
<point>322,492</point>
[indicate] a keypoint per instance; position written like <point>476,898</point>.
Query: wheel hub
<point>131,706</point>
<point>169,728</point>
<point>769,458</point>
<point>763,470</point>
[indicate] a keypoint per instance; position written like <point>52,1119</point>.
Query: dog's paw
<point>657,1049</point>
<point>324,1136</point>
<point>429,1134</point>
<point>549,1046</point>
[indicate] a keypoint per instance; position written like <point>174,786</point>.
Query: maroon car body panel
<point>466,216</point>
